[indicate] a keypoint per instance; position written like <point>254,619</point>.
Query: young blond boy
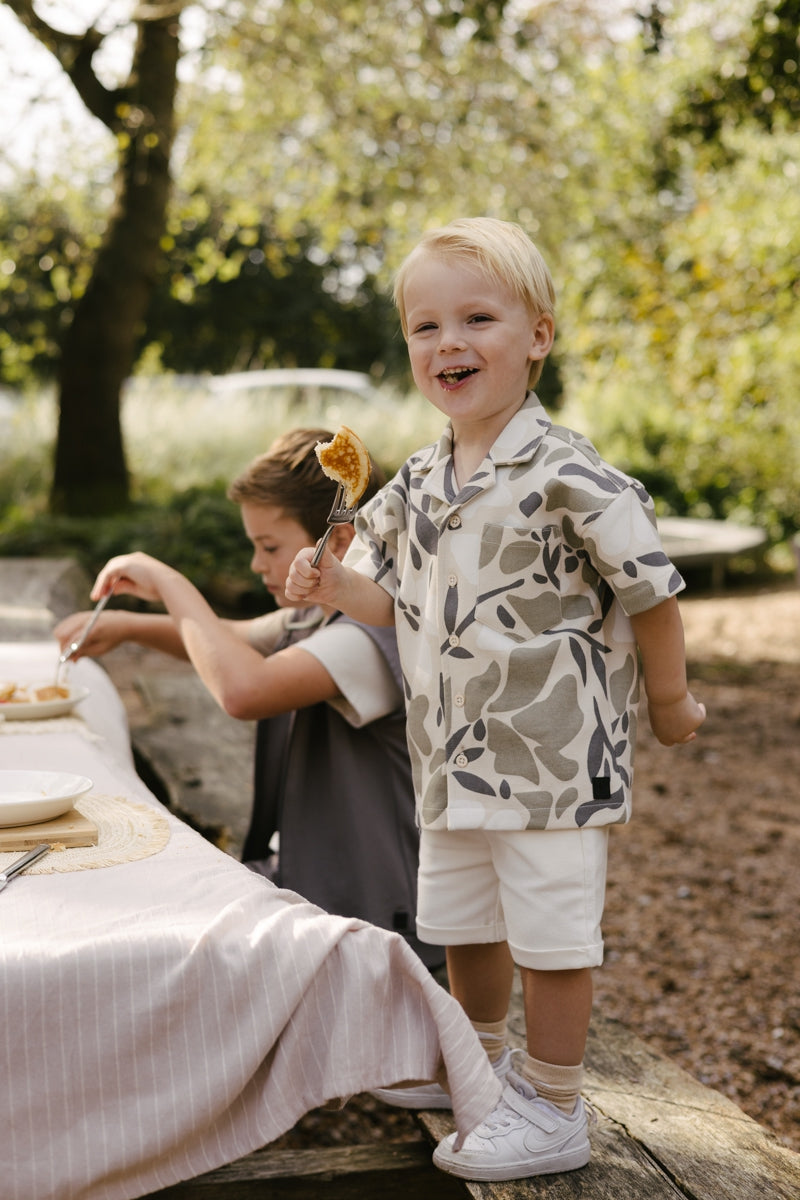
<point>522,573</point>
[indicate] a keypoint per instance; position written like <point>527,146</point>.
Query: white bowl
<point>30,796</point>
<point>40,710</point>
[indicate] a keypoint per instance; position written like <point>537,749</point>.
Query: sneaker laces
<point>501,1117</point>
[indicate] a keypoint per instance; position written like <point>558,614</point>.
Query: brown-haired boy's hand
<point>676,722</point>
<point>107,634</point>
<point>135,574</point>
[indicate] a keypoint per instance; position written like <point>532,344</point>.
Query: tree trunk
<point>99,348</point>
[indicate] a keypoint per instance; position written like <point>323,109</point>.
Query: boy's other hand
<point>676,723</point>
<point>107,633</point>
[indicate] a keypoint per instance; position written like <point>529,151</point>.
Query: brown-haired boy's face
<point>276,539</point>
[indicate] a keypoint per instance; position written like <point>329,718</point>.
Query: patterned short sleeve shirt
<point>512,601</point>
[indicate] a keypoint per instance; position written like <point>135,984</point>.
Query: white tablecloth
<point>161,1017</point>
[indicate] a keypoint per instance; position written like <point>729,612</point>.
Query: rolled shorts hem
<point>480,936</point>
<point>573,958</point>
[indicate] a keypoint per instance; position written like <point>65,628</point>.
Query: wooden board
<point>620,1169</point>
<point>660,1134</point>
<point>389,1170</point>
<point>697,1137</point>
<point>71,829</point>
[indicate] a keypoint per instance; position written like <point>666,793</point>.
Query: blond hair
<point>500,250</point>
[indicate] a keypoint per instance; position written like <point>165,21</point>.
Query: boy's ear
<point>542,335</point>
<point>340,539</point>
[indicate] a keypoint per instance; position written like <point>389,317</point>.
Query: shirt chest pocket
<point>526,579</point>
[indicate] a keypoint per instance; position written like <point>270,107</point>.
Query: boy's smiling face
<point>471,342</point>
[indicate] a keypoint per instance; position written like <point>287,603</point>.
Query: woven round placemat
<point>127,831</point>
<point>66,724</point>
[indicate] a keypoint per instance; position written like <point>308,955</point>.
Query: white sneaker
<point>431,1095</point>
<point>523,1136</point>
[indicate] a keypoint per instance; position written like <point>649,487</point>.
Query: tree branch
<point>158,12</point>
<point>74,53</point>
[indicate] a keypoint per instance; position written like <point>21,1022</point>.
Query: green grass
<point>179,437</point>
<point>183,447</point>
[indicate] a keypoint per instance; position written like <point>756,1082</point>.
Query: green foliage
<point>198,531</point>
<point>658,173</point>
<point>384,119</point>
<point>186,444</point>
<point>689,358</point>
<point>230,297</point>
<point>47,238</point>
<point>192,526</point>
<point>759,80</point>
<point>236,297</point>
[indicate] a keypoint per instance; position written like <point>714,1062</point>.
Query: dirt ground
<point>702,922</point>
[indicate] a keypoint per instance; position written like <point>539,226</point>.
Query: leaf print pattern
<point>513,597</point>
<point>512,753</point>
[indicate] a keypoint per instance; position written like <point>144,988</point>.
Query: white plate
<point>30,796</point>
<point>40,710</point>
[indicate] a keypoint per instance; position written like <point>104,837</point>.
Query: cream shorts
<point>542,892</point>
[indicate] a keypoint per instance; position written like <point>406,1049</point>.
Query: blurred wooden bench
<point>692,543</point>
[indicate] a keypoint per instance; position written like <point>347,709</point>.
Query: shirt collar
<point>516,443</point>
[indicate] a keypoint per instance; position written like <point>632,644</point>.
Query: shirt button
<point>462,760</point>
<point>452,580</point>
<point>458,701</point>
<point>454,521</point>
<point>454,639</point>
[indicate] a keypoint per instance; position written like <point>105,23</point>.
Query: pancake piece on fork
<point>345,460</point>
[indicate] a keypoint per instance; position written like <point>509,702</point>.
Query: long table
<point>163,1010</point>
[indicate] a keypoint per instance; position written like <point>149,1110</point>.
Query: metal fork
<point>73,647</point>
<point>20,864</point>
<point>339,515</point>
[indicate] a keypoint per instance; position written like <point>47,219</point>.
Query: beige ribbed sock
<point>493,1037</point>
<point>560,1085</point>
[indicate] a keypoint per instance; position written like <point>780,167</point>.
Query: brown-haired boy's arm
<point>243,682</point>
<point>674,713</point>
<point>156,631</point>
